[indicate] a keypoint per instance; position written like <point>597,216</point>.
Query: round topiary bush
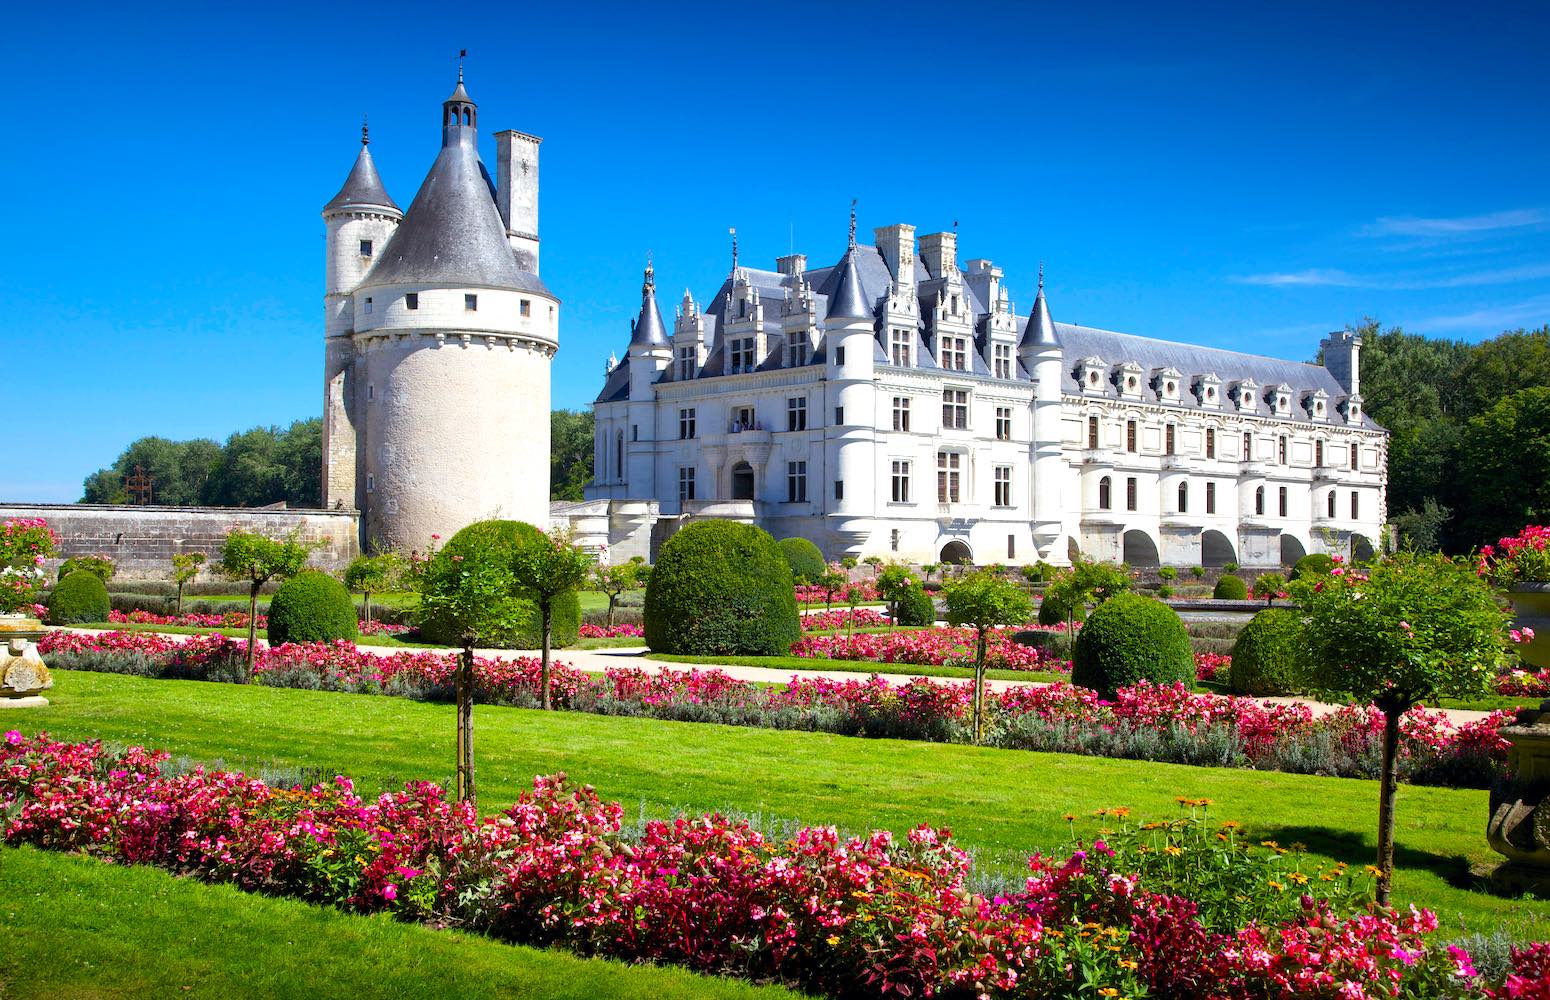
<point>721,589</point>
<point>1313,564</point>
<point>1267,658</point>
<point>1053,610</point>
<point>311,607</point>
<point>80,597</point>
<point>526,633</point>
<point>99,566</point>
<point>1128,639</point>
<point>916,607</point>
<point>1231,588</point>
<point>803,557</point>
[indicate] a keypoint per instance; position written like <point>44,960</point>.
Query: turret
<point>851,343</point>
<point>650,351</point>
<point>1041,353</point>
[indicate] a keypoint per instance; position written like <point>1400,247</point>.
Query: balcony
<point>1177,463</point>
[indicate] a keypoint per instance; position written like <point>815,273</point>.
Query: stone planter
<point>1519,827</point>
<point>1531,607</point>
<point>23,677</point>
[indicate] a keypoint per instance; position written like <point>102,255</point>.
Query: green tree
<point>982,601</point>
<point>1086,581</point>
<point>373,575</point>
<point>545,569</point>
<point>894,581</point>
<point>617,580</point>
<point>1409,629</point>
<point>1501,366</point>
<point>570,453</point>
<point>1422,530</point>
<point>1505,468</point>
<point>832,581</point>
<point>185,567</point>
<point>257,559</point>
<point>470,591</point>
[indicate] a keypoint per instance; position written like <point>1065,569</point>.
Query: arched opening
<point>742,481</point>
<point>1361,548</point>
<point>1216,549</point>
<point>1140,550</point>
<point>1183,498</point>
<point>1105,493</point>
<point>468,116</point>
<point>1291,550</point>
<point>957,553</point>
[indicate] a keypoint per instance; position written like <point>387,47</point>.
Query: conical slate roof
<point>649,330</point>
<point>452,233</point>
<point>363,188</point>
<point>846,301</point>
<point>1040,331</point>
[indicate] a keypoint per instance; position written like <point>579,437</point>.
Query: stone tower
<point>439,342</point>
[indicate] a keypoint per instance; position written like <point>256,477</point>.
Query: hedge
<point>80,597</point>
<point>721,589</point>
<point>1231,588</point>
<point>1267,659</point>
<point>311,607</point>
<point>1128,639</point>
<point>916,607</point>
<point>805,560</point>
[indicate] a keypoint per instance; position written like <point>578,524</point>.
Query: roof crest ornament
<point>1041,276</point>
<point>461,55</point>
<point>650,285</point>
<point>365,132</point>
<point>733,231</point>
<point>852,244</point>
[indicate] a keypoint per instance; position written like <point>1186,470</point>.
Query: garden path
<point>599,660</point>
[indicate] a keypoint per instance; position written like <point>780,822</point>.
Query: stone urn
<point>23,677</point>
<point>1519,827</point>
<point>1531,608</point>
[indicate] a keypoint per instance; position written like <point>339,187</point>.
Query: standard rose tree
<point>615,581</point>
<point>185,567</point>
<point>545,568</point>
<point>25,543</point>
<point>369,575</point>
<point>984,601</point>
<point>257,559</point>
<point>1404,630</point>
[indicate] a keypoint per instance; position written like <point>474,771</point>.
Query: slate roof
<point>363,188</point>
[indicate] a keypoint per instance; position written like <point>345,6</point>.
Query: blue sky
<point>1246,178</point>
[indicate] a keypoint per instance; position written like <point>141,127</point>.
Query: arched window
<point>468,116</point>
<point>1183,498</point>
<point>1259,500</point>
<point>1105,494</point>
<point>1331,503</point>
<point>619,456</point>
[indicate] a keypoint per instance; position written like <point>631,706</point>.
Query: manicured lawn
<point>1004,803</point>
<point>78,927</point>
<point>859,667</point>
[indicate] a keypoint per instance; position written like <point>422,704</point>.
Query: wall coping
<point>165,508</point>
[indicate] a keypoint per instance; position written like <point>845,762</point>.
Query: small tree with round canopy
<point>257,559</point>
<point>373,575</point>
<point>616,580</point>
<point>983,601</point>
<point>545,568</point>
<point>185,567</point>
<point>893,582</point>
<point>1409,628</point>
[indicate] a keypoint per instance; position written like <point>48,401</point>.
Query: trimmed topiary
<point>311,607</point>
<point>1313,564</point>
<point>99,566</point>
<point>721,589</point>
<point>805,560</point>
<point>1267,658</point>
<point>527,633</point>
<point>1054,610</point>
<point>916,607</point>
<point>80,597</point>
<point>1231,588</point>
<point>1128,639</point>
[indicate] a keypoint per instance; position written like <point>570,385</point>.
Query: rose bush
<point>25,544</point>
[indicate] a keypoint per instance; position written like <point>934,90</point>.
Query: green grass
<point>800,663</point>
<point>78,927</point>
<point>1004,803</point>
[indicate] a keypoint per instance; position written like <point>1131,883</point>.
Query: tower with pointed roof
<point>438,346</point>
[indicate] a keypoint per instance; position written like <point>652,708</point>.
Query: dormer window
<point>1128,379</point>
<point>365,248</point>
<point>1247,395</point>
<point>742,308</point>
<point>368,305</point>
<point>1090,374</point>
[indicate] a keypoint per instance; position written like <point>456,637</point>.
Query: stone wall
<point>141,541</point>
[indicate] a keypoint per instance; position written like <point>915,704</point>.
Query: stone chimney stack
<point>516,193</point>
<point>939,251</point>
<point>1342,356</point>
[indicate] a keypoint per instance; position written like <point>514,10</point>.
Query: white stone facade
<point>940,426</point>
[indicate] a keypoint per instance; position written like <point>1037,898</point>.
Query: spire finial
<point>461,55</point>
<point>650,284</point>
<point>733,231</point>
<point>1041,276</point>
<point>365,132</point>
<point>852,244</point>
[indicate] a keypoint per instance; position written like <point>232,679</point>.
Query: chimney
<point>516,193</point>
<point>1342,356</point>
<point>897,245</point>
<point>792,264</point>
<point>939,252</point>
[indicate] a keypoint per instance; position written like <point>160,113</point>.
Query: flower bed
<point>863,592</point>
<point>1143,722</point>
<point>833,621</point>
<point>229,619</point>
<point>611,631</point>
<point>875,915</point>
<point>939,647</point>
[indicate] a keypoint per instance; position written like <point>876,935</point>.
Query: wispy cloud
<point>1410,225</point>
<point>1319,277</point>
<point>1532,312</point>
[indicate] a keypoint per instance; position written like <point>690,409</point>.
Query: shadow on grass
<point>1358,850</point>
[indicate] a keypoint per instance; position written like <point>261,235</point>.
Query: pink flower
<point>1406,626</point>
<point>390,892</point>
<point>1463,966</point>
<point>14,738</point>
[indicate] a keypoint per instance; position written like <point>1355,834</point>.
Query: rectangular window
<point>1011,546</point>
<point>686,424</point>
<point>1356,457</point>
<point>1003,423</point>
<point>902,348</point>
<point>365,248</point>
<point>839,355</point>
<point>1248,446</point>
<point>685,483</point>
<point>1356,505</point>
<point>371,392</point>
<point>949,469</point>
<point>955,354</point>
<point>368,305</point>
<point>1281,506</point>
<point>1092,432</point>
<point>635,432</point>
<point>1318,453</point>
<point>839,414</point>
<point>1003,481</point>
<point>470,303</point>
<point>796,413</point>
<point>901,482</point>
<point>1130,435</point>
<point>687,362</point>
<point>955,408</point>
<point>796,482</point>
<point>743,419</point>
<point>1003,360</point>
<point>524,307</point>
<point>412,300</point>
<point>839,489</point>
<point>742,355</point>
<point>1210,498</point>
<point>901,413</point>
<point>893,540</point>
<point>1130,493</point>
<point>1168,439</point>
<point>371,483</point>
<point>1210,443</point>
<point>1281,450</point>
<point>796,350</point>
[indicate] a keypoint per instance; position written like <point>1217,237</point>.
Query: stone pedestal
<point>23,677</point>
<point>1519,827</point>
